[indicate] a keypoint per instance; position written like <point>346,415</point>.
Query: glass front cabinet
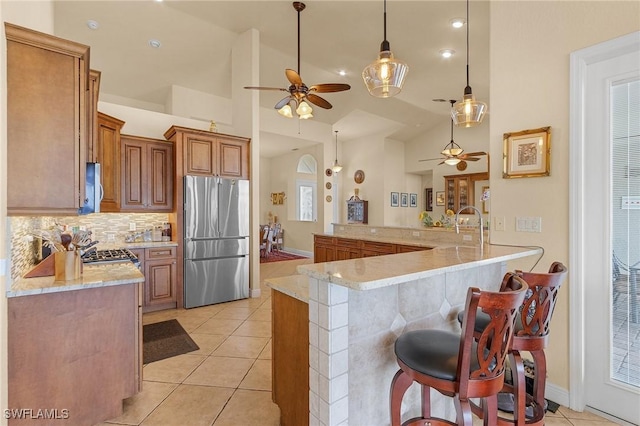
<point>459,191</point>
<point>357,210</point>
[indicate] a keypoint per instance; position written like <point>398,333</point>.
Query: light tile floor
<point>227,382</point>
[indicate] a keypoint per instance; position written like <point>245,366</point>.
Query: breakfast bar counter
<point>357,309</point>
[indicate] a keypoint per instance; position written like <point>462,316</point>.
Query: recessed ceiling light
<point>342,72</point>
<point>447,53</point>
<point>458,22</point>
<point>155,43</point>
<point>93,25</point>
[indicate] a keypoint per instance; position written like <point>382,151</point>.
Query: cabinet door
<point>108,155</point>
<point>233,158</point>
<point>92,117</point>
<point>46,122</point>
<point>199,155</point>
<point>160,276</point>
<point>134,185</point>
<point>160,178</point>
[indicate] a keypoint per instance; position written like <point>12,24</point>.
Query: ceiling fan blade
<point>265,88</point>
<point>317,100</point>
<point>463,158</point>
<point>293,77</point>
<point>329,87</point>
<point>431,159</point>
<point>441,163</point>
<point>473,154</point>
<point>283,102</point>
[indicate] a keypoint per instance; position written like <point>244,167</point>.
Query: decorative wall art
<point>404,199</point>
<point>328,185</point>
<point>485,199</point>
<point>395,198</point>
<point>527,153</point>
<point>413,200</point>
<point>428,196</point>
<point>277,198</point>
<point>440,198</point>
<point>358,176</point>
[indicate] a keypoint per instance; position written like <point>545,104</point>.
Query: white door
<point>611,210</point>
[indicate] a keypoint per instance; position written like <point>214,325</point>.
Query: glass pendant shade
<point>336,166</point>
<point>452,161</point>
<point>304,111</point>
<point>385,76</point>
<point>285,111</point>
<point>468,112</point>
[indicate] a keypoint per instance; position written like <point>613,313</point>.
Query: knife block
<point>67,265</point>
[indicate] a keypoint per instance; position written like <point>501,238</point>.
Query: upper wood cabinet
<point>211,154</point>
<point>147,174</point>
<point>92,116</point>
<point>107,151</point>
<point>47,113</point>
<point>459,190</point>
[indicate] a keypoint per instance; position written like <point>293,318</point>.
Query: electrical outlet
<point>498,224</point>
<point>132,226</point>
<point>466,238</point>
<point>373,230</point>
<point>416,233</point>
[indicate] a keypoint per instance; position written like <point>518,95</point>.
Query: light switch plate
<point>132,226</point>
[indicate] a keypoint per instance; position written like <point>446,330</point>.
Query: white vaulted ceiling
<point>197,37</point>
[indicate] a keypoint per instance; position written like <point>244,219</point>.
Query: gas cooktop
<point>108,256</point>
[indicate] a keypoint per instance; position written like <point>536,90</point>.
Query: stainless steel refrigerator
<point>216,240</point>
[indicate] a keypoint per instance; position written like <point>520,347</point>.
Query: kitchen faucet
<point>479,224</point>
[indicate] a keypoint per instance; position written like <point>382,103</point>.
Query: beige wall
<point>530,47</point>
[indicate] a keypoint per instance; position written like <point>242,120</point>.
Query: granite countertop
<point>136,245</point>
<point>381,271</point>
<point>296,286</point>
<point>102,275</point>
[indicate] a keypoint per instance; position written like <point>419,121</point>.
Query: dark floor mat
<point>165,339</point>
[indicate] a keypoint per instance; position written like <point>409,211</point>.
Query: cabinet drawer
<point>382,248</point>
<point>160,253</point>
<point>324,241</point>
<point>348,243</point>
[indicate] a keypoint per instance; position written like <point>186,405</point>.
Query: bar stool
<point>459,365</point>
<point>531,335</point>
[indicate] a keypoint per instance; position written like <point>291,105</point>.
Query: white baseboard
<point>298,252</point>
<point>556,394</point>
<point>254,292</point>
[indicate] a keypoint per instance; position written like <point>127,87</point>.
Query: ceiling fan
<point>453,154</point>
<point>299,92</point>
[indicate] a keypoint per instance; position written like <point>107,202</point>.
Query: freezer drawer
<point>215,280</point>
<point>212,248</point>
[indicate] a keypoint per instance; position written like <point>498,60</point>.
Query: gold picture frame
<point>527,153</point>
<point>277,198</point>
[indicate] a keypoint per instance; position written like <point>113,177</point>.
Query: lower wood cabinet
<point>290,358</point>
<point>78,352</point>
<point>328,249</point>
<point>159,265</point>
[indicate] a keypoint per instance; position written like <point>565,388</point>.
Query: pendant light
<point>452,150</point>
<point>385,76</point>
<point>468,112</point>
<point>336,166</point>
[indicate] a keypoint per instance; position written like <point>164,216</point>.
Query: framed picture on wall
<point>440,198</point>
<point>413,200</point>
<point>404,199</point>
<point>394,199</point>
<point>428,196</point>
<point>527,153</point>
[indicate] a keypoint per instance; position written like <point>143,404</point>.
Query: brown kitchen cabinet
<point>108,155</point>
<point>375,248</point>
<point>290,354</point>
<point>146,175</point>
<point>92,116</point>
<point>459,191</point>
<point>324,249</point>
<point>211,154</point>
<point>77,350</point>
<point>160,268</point>
<point>347,248</point>
<point>47,114</point>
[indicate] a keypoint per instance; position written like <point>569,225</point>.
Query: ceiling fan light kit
<point>468,112</point>
<point>385,76</point>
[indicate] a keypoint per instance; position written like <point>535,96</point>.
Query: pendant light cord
<point>336,146</point>
<point>467,43</point>
<point>385,19</point>
<point>299,45</point>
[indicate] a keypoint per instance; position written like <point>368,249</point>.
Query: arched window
<point>307,164</point>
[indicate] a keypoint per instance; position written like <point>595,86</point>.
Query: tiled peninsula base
<point>352,335</point>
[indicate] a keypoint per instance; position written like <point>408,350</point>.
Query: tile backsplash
<point>24,248</point>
